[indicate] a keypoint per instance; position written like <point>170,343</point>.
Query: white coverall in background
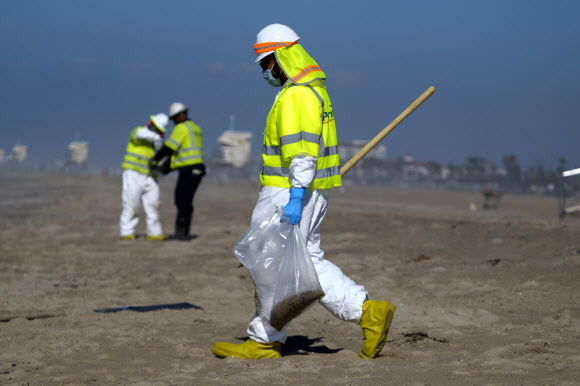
<point>141,187</point>
<point>343,297</point>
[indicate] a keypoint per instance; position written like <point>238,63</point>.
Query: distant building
<point>348,150</point>
<point>414,170</point>
<point>78,152</point>
<point>235,148</point>
<point>19,153</point>
<point>445,172</point>
<point>489,169</point>
<point>479,166</point>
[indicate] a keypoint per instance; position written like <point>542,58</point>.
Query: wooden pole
<point>373,142</point>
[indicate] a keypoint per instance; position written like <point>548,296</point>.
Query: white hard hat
<point>160,121</point>
<point>176,108</point>
<point>272,37</point>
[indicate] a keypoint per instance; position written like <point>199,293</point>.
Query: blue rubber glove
<point>293,208</point>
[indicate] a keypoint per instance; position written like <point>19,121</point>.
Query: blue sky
<point>506,72</point>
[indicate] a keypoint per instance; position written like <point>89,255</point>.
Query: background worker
<point>185,149</point>
<point>300,166</point>
<point>139,181</point>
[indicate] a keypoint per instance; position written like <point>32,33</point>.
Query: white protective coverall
<point>343,297</point>
<point>141,187</point>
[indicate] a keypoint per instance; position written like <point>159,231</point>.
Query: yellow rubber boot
<point>249,349</point>
<point>128,237</point>
<point>375,322</point>
<point>155,238</point>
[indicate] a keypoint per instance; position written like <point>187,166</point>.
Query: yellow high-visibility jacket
<point>186,141</point>
<point>138,153</point>
<point>301,122</point>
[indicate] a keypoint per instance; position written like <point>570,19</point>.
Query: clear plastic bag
<point>275,253</point>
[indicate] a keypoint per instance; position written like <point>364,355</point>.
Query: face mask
<point>276,82</point>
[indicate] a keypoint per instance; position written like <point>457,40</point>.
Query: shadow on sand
<point>302,345</point>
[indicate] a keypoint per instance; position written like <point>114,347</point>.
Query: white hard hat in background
<point>272,37</point>
<point>160,121</point>
<point>176,108</point>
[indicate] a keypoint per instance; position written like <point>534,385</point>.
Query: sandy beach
<point>484,297</point>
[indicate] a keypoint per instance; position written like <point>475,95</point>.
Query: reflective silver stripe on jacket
<point>193,147</point>
<point>300,136</point>
<point>185,158</point>
<point>144,166</point>
<point>275,171</point>
<point>327,151</point>
<point>173,142</point>
<point>293,138</point>
<point>139,156</point>
<point>285,172</point>
<point>321,102</point>
<point>328,172</point>
<point>322,151</point>
<point>185,149</point>
<point>271,150</point>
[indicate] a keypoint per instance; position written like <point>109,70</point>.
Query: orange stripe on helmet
<point>305,72</point>
<point>267,47</point>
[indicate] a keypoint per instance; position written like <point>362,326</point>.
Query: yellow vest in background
<point>301,122</point>
<point>187,143</point>
<point>138,153</point>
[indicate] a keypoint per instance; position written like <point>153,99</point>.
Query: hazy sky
<point>506,72</point>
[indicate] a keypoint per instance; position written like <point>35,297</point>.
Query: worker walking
<point>139,181</point>
<point>300,166</point>
<point>184,148</point>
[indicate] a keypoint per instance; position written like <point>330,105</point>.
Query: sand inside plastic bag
<point>292,306</point>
